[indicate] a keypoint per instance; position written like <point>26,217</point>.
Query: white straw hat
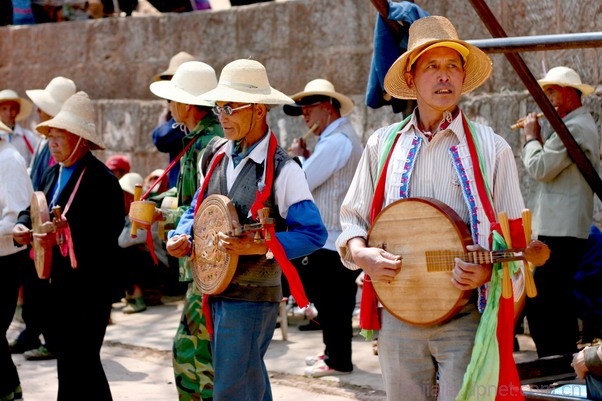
<point>430,32</point>
<point>51,99</point>
<point>26,107</point>
<point>565,76</point>
<point>191,79</point>
<point>128,182</point>
<point>5,128</point>
<point>76,116</point>
<point>318,87</point>
<point>246,81</point>
<point>174,63</point>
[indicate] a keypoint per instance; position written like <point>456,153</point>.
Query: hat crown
<point>129,181</point>
<point>563,74</point>
<point>431,29</point>
<point>319,85</point>
<point>60,89</point>
<point>195,77</point>
<point>79,105</point>
<point>245,75</point>
<point>8,94</point>
<point>177,60</point>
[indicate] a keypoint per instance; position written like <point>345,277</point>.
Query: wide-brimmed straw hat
<point>174,63</point>
<point>565,76</point>
<point>318,87</point>
<point>25,106</point>
<point>76,116</point>
<point>129,181</point>
<point>425,34</point>
<point>191,80</point>
<point>5,128</point>
<point>246,81</point>
<point>51,98</point>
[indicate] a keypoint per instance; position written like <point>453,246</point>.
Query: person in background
<point>119,165</point>
<point>48,102</point>
<point>84,269</point>
<point>431,154</point>
<point>150,179</point>
<point>562,204</point>
<point>168,136</point>
<point>329,171</point>
<point>254,172</point>
<point>14,109</point>
<point>192,363</point>
<point>15,195</point>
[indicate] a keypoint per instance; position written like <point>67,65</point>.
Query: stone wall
<point>297,40</point>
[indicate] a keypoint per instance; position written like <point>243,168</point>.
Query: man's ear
<point>407,75</point>
<point>261,110</point>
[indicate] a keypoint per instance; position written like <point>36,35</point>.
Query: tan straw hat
<point>427,33</point>
<point>51,99</point>
<point>246,81</point>
<point>191,80</point>
<point>5,128</point>
<point>128,182</point>
<point>318,87</point>
<point>76,116</point>
<point>565,76</point>
<point>26,107</point>
<point>174,63</point>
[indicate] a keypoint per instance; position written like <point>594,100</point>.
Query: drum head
<point>212,268</point>
<point>39,215</point>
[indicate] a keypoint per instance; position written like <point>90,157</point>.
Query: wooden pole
<point>539,42</point>
<point>575,152</point>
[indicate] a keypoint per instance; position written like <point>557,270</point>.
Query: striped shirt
<point>433,174</point>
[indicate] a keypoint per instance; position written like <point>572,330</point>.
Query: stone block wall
<point>115,59</point>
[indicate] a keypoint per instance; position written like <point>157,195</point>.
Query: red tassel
<point>509,386</point>
<point>369,319</point>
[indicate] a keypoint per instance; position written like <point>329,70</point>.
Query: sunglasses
<point>217,110</point>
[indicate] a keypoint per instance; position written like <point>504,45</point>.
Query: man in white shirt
<point>13,109</point>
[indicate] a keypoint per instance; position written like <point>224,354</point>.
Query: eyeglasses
<point>217,110</point>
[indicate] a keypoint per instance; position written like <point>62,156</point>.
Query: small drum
<point>41,224</point>
<point>212,268</point>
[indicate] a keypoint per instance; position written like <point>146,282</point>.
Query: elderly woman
<point>82,277</point>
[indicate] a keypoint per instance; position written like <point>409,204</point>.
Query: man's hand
<point>22,235</point>
<point>532,129</point>
<point>379,264</point>
<point>298,148</point>
<point>241,245</point>
<point>179,246</point>
<point>468,276</point>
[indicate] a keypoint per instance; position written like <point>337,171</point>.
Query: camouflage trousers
<point>193,369</point>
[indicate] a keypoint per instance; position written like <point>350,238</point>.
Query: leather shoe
<point>19,347</point>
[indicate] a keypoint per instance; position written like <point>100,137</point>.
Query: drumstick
<point>520,123</point>
<point>529,281</point>
<point>311,131</point>
<point>506,283</point>
<point>137,195</point>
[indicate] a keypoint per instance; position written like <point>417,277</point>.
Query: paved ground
<point>136,357</point>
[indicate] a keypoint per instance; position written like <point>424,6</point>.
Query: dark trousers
<point>552,315</point>
<point>35,303</point>
<point>332,289</point>
<point>80,314</point>
<point>10,268</point>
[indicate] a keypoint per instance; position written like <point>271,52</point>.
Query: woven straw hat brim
<point>167,90</point>
<point>42,99</point>
<point>583,88</point>
<point>76,126</point>
<point>5,128</point>
<point>346,103</point>
<point>25,106</point>
<point>225,93</point>
<point>478,68</point>
<point>174,63</point>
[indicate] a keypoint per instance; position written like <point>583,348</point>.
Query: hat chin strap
<point>72,152</point>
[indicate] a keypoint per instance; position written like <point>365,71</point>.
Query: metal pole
<point>539,42</point>
<point>575,152</point>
